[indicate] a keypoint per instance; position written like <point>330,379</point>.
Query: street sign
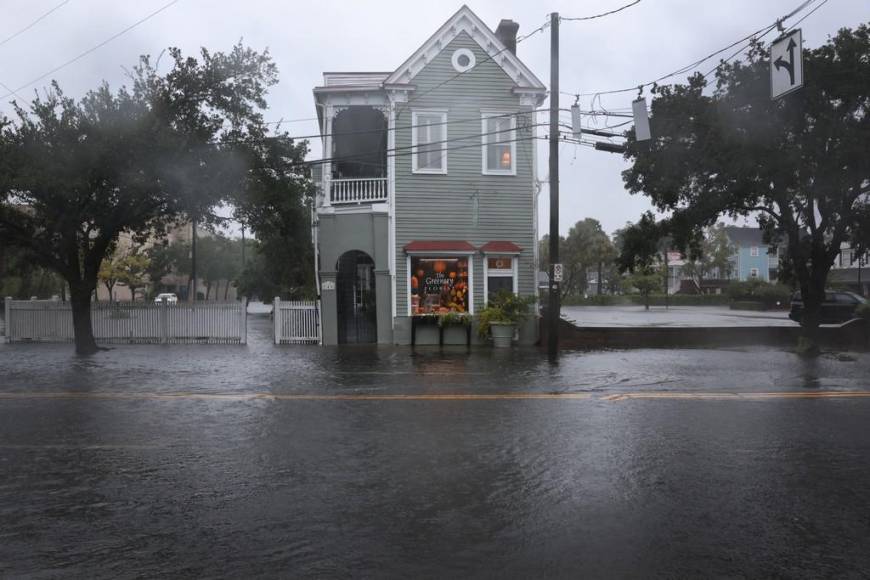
<point>641,120</point>
<point>557,272</point>
<point>786,64</point>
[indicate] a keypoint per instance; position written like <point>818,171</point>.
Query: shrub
<point>759,291</point>
<point>505,307</point>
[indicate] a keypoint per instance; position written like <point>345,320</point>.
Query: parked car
<point>169,297</point>
<point>837,308</point>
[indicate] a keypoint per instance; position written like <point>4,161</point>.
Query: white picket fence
<point>296,321</point>
<point>129,322</point>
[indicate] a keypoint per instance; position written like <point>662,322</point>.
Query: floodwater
<point>677,316</point>
<point>203,461</point>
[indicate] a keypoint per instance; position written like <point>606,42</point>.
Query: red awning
<point>425,246</point>
<point>501,247</point>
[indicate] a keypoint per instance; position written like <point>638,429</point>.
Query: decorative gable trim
<point>466,21</point>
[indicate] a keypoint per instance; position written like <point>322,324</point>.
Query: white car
<point>168,297</point>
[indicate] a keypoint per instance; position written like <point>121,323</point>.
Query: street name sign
<point>557,272</point>
<point>786,64</point>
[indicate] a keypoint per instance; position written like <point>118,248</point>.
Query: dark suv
<point>837,308</point>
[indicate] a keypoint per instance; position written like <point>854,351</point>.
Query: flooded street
<point>206,461</point>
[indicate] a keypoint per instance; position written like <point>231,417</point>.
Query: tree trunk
<point>109,287</point>
<point>80,299</point>
<point>226,290</point>
<point>812,296</point>
<point>600,269</point>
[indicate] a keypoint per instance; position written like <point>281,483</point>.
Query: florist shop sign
<point>439,285</point>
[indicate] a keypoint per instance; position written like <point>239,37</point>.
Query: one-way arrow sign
<point>786,64</point>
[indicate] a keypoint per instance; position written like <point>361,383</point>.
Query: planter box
<point>502,334</point>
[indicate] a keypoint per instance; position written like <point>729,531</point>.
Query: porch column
<point>384,297</point>
<point>326,167</point>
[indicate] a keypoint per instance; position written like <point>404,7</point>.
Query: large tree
<point>713,256</point>
<point>586,247</point>
<point>640,253</point>
<point>275,204</point>
<point>75,175</point>
<point>799,163</point>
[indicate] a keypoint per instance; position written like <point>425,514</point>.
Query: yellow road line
<point>301,397</point>
<point>649,395</point>
<point>739,396</point>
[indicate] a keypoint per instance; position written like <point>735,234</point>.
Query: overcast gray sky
<point>305,38</point>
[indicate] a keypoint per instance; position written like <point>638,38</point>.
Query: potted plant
<point>501,316</point>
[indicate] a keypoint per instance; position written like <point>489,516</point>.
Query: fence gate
<point>296,322</point>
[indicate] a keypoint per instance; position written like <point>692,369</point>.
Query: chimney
<point>507,34</point>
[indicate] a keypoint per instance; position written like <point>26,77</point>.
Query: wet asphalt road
<point>208,462</point>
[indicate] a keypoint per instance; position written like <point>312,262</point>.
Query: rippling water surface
<point>187,487</point>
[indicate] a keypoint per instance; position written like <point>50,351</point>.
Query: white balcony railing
<point>363,190</point>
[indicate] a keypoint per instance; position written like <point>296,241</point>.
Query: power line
<point>393,153</point>
<point>92,49</point>
<point>761,31</point>
<point>5,86</point>
<point>448,122</point>
<point>32,24</point>
<point>810,13</point>
<point>603,14</point>
<point>420,147</point>
<point>290,121</point>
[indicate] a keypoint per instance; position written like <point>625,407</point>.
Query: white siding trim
<point>443,120</point>
<point>471,284</point>
<point>391,192</point>
<point>408,282</point>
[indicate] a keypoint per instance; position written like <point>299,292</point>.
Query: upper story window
<point>429,141</point>
<point>499,144</point>
<point>753,251</point>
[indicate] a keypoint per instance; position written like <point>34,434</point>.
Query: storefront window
<point>439,285</point>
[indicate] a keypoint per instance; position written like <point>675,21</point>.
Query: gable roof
<point>466,21</point>
<point>744,236</point>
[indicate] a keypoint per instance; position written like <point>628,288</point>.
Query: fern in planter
<point>454,319</point>
<point>503,308</point>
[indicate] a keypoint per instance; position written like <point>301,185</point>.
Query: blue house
<point>754,259</point>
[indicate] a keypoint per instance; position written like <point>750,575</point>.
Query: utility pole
<point>243,246</point>
<point>192,297</point>
<point>554,306</point>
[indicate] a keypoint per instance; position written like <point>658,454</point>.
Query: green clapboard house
<point>427,198</point>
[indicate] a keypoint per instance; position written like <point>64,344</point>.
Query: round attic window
<point>463,60</point>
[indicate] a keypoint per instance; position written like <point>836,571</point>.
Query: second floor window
<point>428,141</point>
<point>499,145</point>
<point>753,251</point>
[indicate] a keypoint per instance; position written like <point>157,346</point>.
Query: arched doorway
<point>356,301</point>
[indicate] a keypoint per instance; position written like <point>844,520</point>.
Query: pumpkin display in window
<point>439,266</point>
<point>420,273</point>
<point>452,275</point>
<point>415,283</point>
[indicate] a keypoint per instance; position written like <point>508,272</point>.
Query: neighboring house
<point>754,260</point>
<point>851,271</point>
<point>427,198</point>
